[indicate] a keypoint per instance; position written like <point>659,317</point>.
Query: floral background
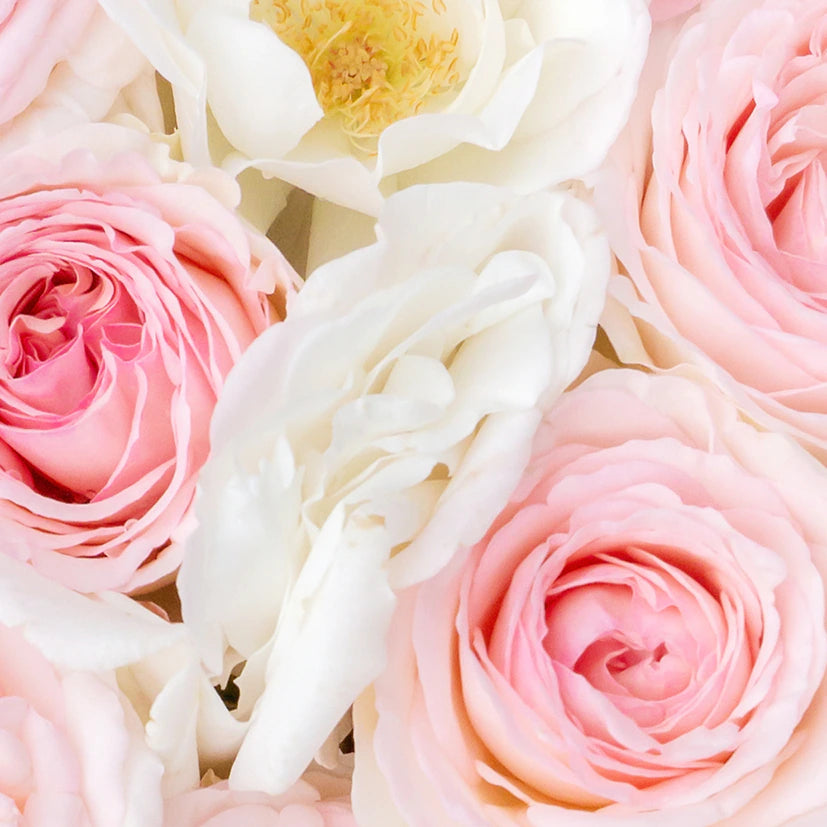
<point>413,414</point>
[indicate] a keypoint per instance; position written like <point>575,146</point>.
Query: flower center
<point>371,61</point>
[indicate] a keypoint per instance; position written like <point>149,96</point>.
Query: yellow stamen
<point>369,63</point>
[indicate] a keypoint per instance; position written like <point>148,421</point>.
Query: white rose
<point>353,445</point>
<point>352,99</point>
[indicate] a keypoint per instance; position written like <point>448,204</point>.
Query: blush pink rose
<point>35,35</point>
<point>725,241</point>
<point>61,62</point>
<point>72,754</point>
<point>318,800</point>
<point>639,639</point>
<point>667,9</point>
<point>127,292</point>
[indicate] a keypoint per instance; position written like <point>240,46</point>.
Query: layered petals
<point>72,748</point>
<point>404,370</point>
<point>127,292</point>
<point>319,799</point>
<point>721,233</point>
<point>355,100</point>
<point>61,63</point>
<point>639,638</point>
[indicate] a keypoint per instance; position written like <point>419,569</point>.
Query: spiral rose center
<point>631,632</point>
<point>372,63</point>
<point>64,308</point>
<point>615,664</point>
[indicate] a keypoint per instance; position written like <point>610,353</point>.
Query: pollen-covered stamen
<point>370,60</point>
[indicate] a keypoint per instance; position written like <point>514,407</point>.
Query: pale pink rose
<point>637,640</point>
<point>72,754</point>
<point>61,62</point>
<point>667,9</point>
<point>724,233</point>
<point>127,292</point>
<point>318,800</point>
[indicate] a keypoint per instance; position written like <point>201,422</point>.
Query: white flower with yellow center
<point>353,99</point>
<point>371,63</point>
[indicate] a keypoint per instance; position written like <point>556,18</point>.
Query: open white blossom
<point>353,99</point>
<point>360,442</point>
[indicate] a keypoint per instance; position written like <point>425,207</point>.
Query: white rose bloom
<point>352,99</point>
<point>360,442</point>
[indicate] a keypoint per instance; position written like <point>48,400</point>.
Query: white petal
<point>338,178</point>
<point>58,621</point>
<point>319,664</point>
<point>414,141</point>
<point>258,88</point>
<point>153,26</point>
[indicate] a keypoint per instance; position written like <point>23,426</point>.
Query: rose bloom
<point>722,231</point>
<point>350,99</point>
<point>402,372</point>
<point>317,800</point>
<point>127,291</point>
<point>667,9</point>
<point>638,640</point>
<point>71,752</point>
<point>61,62</point>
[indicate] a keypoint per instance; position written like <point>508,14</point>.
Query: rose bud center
<point>642,633</point>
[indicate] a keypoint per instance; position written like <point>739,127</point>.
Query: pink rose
<point>726,256</point>
<point>61,62</point>
<point>667,9</point>
<point>72,754</point>
<point>318,800</point>
<point>35,35</point>
<point>635,642</point>
<point>127,292</point>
